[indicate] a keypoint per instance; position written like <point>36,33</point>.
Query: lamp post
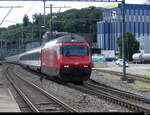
<point>124,41</point>
<point>44,11</point>
<point>41,31</point>
<point>51,21</point>
<point>51,17</point>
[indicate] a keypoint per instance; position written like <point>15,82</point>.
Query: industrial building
<point>137,21</point>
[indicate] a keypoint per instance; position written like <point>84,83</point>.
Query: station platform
<point>7,101</point>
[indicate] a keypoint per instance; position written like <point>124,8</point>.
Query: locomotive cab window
<point>74,50</point>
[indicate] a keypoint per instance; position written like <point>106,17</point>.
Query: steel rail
<point>136,77</point>
<point>111,98</point>
<point>118,91</point>
<point>58,101</point>
<point>136,107</point>
<point>115,99</point>
<point>25,98</point>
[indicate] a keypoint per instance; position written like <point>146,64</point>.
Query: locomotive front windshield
<point>75,50</point>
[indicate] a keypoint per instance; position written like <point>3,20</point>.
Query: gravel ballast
<point>78,100</point>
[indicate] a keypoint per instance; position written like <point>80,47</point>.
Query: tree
<point>74,20</point>
<point>25,20</point>
<point>132,45</point>
<point>78,20</point>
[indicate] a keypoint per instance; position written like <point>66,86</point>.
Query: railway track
<point>135,77</point>
<point>36,98</point>
<point>126,99</point>
<point>120,93</point>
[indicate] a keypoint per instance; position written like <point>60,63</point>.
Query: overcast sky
<point>30,8</point>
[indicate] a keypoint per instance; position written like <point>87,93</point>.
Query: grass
<point>139,85</point>
<point>140,75</point>
<point>142,85</point>
<point>108,76</point>
<point>148,70</point>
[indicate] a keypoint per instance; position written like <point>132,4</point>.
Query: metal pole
<point>1,43</point>
<point>127,48</point>
<point>32,34</point>
<point>51,20</point>
<point>44,12</point>
<point>19,43</point>
<point>22,41</point>
<point>124,41</point>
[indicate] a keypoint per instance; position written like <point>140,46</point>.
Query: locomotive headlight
<point>85,66</point>
<point>66,66</point>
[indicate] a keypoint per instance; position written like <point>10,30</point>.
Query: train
<point>141,58</point>
<point>67,57</point>
<point>12,59</point>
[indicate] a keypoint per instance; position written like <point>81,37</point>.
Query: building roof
<point>131,6</point>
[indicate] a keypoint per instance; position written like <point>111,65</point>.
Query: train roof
<point>70,37</point>
<point>13,56</point>
<point>38,49</point>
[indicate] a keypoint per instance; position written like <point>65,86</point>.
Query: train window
<point>34,56</point>
<point>75,50</point>
<point>23,58</point>
<point>29,57</point>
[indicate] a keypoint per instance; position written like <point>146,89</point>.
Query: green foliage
<point>25,20</point>
<point>73,20</point>
<point>142,86</point>
<point>78,21</point>
<point>10,34</point>
<point>132,45</point>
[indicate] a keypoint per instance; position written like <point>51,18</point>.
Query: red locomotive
<point>67,57</point>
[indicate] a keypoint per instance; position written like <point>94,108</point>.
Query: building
<point>137,20</point>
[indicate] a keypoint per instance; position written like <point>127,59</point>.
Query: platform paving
<point>7,101</point>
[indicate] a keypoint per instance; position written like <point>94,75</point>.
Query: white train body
<point>13,59</point>
<point>31,59</point>
<point>136,56</point>
<point>146,57</point>
<point>141,57</point>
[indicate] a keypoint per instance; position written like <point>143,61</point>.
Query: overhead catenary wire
<point>6,16</point>
<point>11,21</point>
<point>31,7</point>
<point>11,7</point>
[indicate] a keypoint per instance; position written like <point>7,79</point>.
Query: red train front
<point>68,58</point>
